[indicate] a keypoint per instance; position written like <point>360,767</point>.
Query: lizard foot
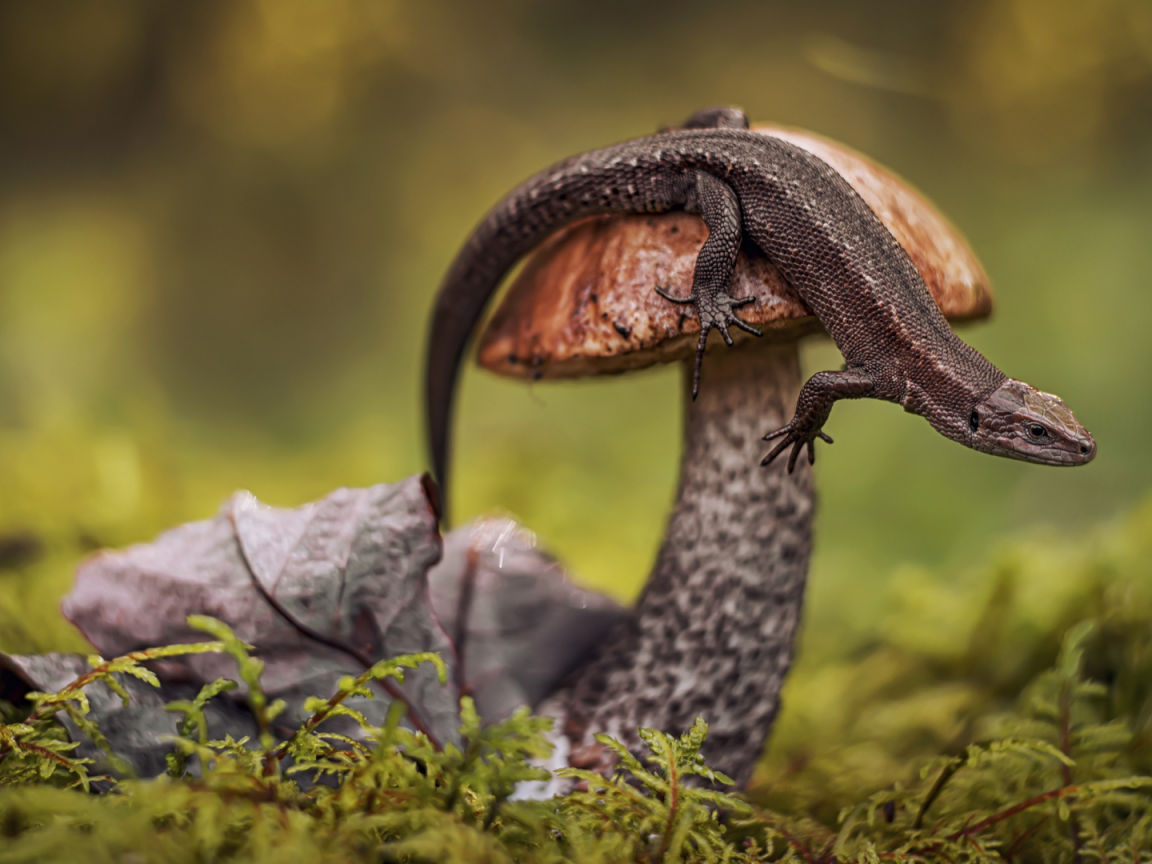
<point>812,409</point>
<point>796,435</point>
<point>716,311</point>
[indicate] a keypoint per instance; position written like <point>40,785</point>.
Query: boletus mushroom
<point>712,632</point>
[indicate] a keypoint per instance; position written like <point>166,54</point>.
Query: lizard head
<point>1018,421</point>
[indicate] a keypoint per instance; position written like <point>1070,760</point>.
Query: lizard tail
<point>451,329</point>
<point>584,185</point>
<point>511,230</point>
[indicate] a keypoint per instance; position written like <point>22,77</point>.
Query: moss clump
<point>389,795</point>
<point>1023,734</point>
<point>1056,784</point>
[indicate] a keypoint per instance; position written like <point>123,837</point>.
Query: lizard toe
<point>796,448</point>
<point>779,448</point>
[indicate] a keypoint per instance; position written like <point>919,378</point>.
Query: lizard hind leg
<point>718,205</point>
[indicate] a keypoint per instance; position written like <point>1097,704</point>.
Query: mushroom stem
<point>712,632</point>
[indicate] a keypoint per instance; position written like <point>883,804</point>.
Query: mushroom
<point>712,632</point>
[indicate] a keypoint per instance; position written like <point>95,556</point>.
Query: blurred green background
<point>222,224</point>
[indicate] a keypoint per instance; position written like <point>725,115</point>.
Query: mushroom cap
<point>584,303</point>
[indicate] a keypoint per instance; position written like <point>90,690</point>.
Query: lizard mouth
<point>1020,422</point>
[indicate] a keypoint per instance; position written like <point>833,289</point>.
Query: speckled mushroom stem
<point>712,633</point>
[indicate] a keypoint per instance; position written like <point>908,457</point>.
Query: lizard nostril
<point>1085,447</point>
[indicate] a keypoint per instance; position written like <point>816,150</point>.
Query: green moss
<point>1002,712</point>
<point>1058,772</point>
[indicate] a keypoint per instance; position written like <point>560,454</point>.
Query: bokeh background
<point>222,225</point>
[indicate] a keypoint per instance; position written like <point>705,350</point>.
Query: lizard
<point>824,239</point>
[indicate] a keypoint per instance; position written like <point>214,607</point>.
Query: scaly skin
<point>826,241</point>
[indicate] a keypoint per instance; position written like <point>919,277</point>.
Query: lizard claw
<point>715,312</point>
<point>672,298</point>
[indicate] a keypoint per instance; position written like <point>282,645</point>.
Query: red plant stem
<point>1066,770</point>
<point>316,719</point>
<point>1009,812</point>
<point>43,752</point>
<point>1020,840</point>
<point>800,847</point>
<point>796,844</point>
<point>83,681</point>
<point>311,723</point>
<point>1000,816</point>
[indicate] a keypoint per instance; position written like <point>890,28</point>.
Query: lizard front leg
<point>718,205</point>
<point>812,410</point>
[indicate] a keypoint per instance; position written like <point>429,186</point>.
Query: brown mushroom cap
<point>584,305</point>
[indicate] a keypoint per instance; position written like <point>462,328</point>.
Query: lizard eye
<point>1035,430</point>
<point>974,421</point>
